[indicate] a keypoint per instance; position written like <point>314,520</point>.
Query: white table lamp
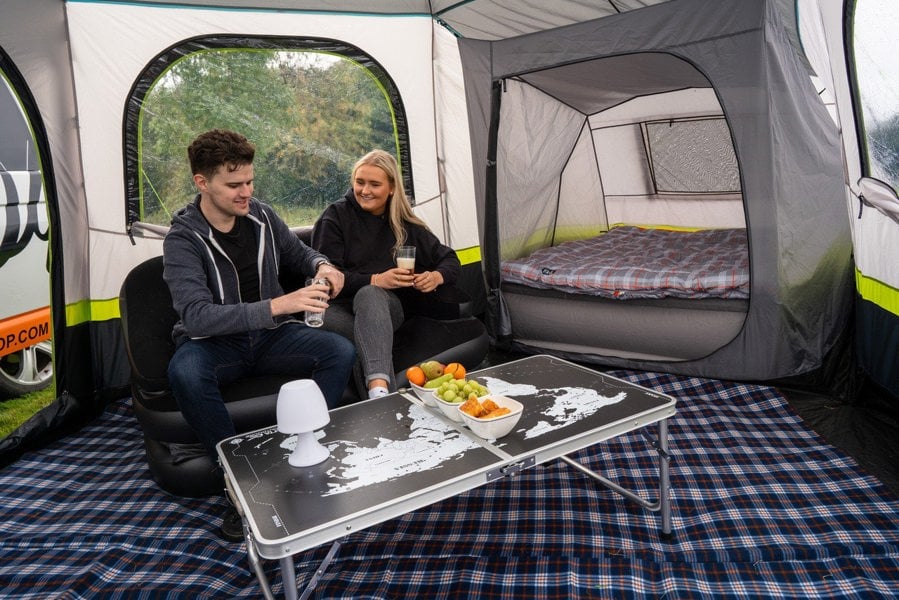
<point>301,410</point>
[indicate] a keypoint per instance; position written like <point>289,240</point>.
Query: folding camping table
<point>394,454</point>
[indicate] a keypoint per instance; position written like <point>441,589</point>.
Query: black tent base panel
<point>62,417</point>
<point>867,428</point>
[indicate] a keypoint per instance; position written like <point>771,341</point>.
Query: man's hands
<point>312,297</point>
<point>333,275</point>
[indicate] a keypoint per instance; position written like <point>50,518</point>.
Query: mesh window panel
<point>693,156</point>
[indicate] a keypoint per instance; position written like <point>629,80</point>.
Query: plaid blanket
<point>762,508</point>
<point>633,262</point>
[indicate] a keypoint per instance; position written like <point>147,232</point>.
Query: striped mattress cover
<point>634,262</point>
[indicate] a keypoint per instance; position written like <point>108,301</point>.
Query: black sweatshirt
<point>361,244</point>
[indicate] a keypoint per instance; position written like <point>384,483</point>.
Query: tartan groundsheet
<point>762,508</point>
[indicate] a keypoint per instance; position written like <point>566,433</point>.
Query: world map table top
<point>394,454</point>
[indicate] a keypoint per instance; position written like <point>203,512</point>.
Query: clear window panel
<point>877,65</point>
<point>310,114</point>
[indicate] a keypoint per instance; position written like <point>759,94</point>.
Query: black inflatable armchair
<point>177,461</point>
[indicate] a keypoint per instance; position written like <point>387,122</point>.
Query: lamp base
<point>308,451</point>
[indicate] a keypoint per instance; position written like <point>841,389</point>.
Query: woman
<point>360,234</point>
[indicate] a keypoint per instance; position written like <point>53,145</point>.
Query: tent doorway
<point>26,355</point>
<point>635,148</point>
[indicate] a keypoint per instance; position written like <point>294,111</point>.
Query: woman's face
<point>372,189</point>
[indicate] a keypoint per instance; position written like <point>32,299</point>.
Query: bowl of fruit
<point>491,417</point>
<point>450,394</point>
<point>429,375</point>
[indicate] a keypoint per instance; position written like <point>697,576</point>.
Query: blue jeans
<point>199,367</point>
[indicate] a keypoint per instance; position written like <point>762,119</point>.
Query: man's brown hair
<point>219,147</point>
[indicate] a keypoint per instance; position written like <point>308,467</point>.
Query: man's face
<point>226,194</point>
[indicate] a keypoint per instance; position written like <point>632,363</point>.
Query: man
<point>222,256</point>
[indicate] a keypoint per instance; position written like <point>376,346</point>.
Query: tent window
<point>692,156</point>
<point>311,108</point>
<point>876,64</point>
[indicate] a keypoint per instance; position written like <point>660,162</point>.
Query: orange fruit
<point>456,369</point>
<point>416,375</point>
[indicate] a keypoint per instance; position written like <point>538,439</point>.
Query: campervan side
<point>25,350</point>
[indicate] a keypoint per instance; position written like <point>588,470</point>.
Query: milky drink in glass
<point>405,257</point>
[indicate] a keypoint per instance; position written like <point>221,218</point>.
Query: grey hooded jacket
<point>203,280</point>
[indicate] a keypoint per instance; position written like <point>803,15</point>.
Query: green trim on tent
<point>469,256</point>
<point>92,311</point>
<point>881,294</point>
<point>105,310</point>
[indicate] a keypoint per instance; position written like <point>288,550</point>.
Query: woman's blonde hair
<point>399,211</point>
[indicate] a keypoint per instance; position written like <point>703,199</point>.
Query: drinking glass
<point>315,319</point>
<point>405,257</point>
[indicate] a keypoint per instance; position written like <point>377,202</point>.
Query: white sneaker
<point>378,391</point>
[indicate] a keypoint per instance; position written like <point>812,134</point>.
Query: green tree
<point>310,120</point>
<point>339,114</point>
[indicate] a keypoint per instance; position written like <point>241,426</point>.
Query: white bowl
<point>424,394</point>
<point>492,429</point>
<point>450,409</point>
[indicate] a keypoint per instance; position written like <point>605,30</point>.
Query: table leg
<point>289,578</point>
<point>664,485</point>
<point>310,587</point>
<point>663,504</point>
<point>288,573</point>
<point>256,565</point>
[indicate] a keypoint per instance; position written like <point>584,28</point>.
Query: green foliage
<point>310,119</point>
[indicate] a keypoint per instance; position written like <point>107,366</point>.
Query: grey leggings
<point>375,314</point>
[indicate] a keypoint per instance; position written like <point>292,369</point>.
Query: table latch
<point>511,469</point>
<point>655,444</point>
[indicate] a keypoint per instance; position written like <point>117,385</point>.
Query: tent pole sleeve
<point>497,322</point>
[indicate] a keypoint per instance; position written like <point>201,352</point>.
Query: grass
<point>15,411</point>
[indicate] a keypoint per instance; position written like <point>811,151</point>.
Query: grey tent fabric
<point>786,144</point>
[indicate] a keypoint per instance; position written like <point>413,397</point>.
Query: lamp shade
<point>301,407</point>
<point>301,410</point>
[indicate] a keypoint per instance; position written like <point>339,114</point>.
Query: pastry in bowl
<point>491,417</point>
